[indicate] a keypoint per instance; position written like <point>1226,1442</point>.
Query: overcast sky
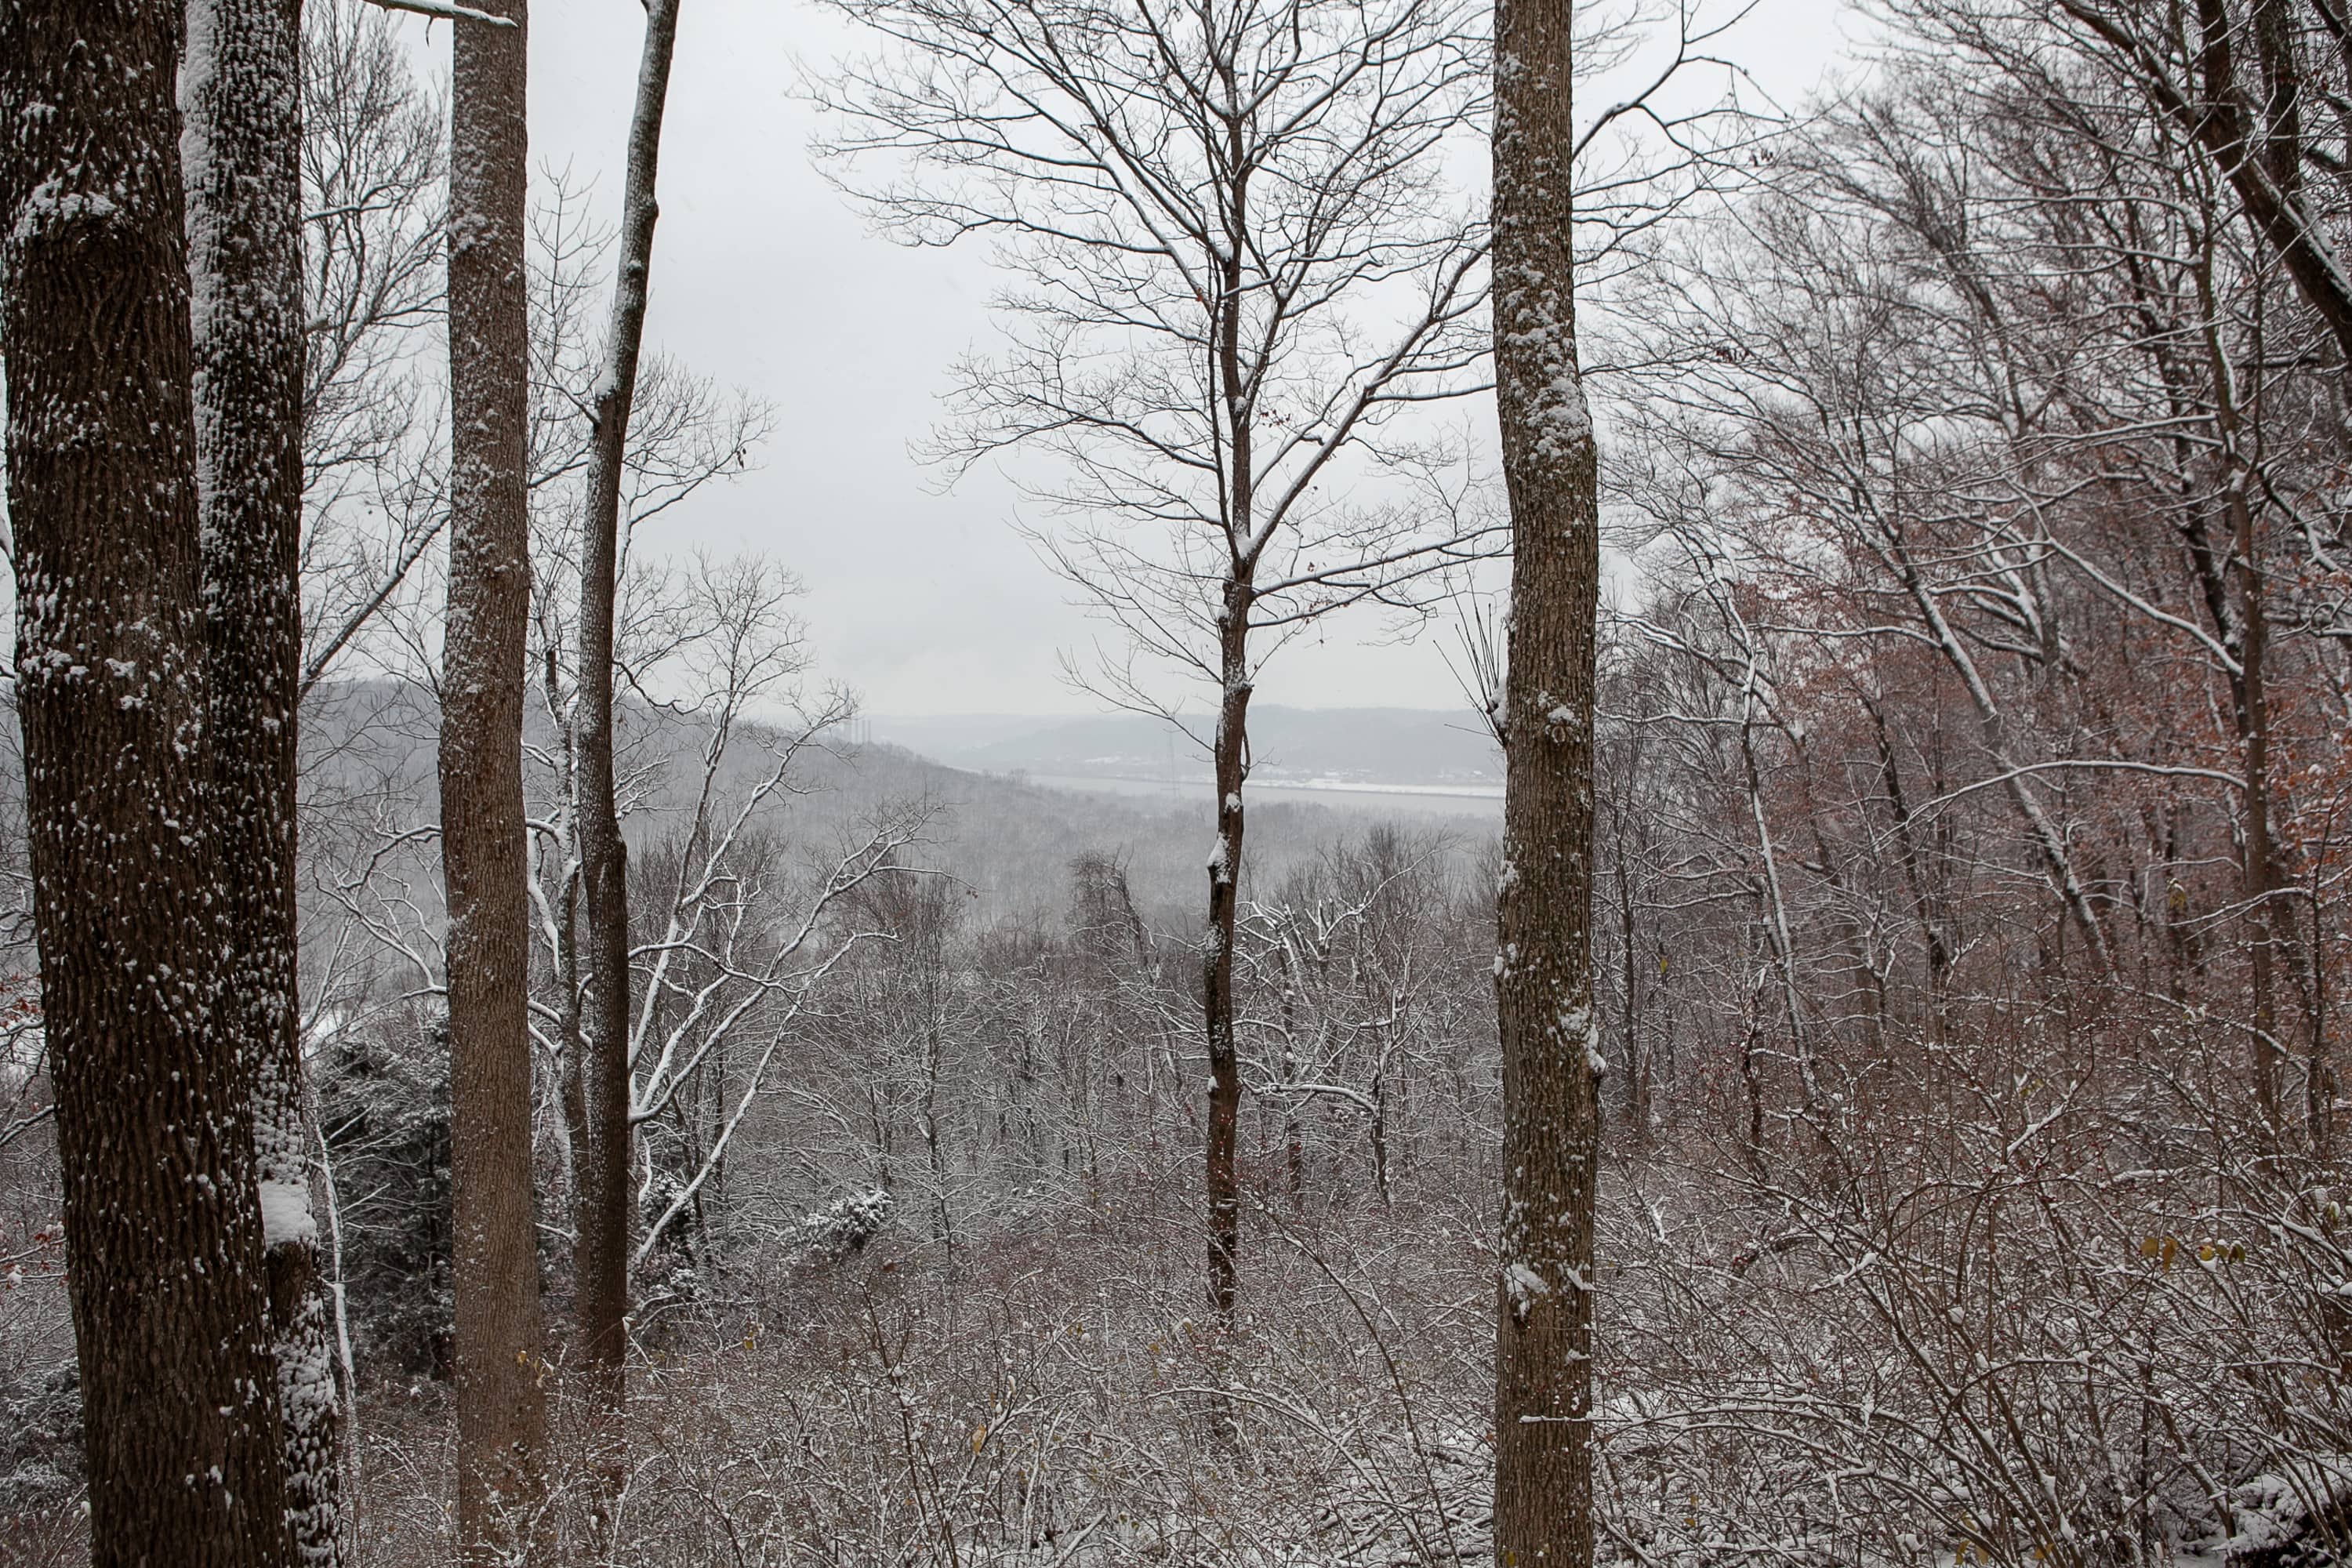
<point>763,278</point>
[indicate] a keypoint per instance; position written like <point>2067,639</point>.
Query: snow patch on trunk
<point>285,1215</point>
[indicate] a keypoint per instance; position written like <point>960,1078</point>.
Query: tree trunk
<point>1924,903</point>
<point>181,1428</point>
<point>603,1194</point>
<point>1543,1349</point>
<point>2258,873</point>
<point>243,143</point>
<point>501,1407</point>
<point>1231,742</point>
<point>1637,1080</point>
<point>1217,965</point>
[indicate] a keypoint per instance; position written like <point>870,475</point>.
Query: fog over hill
<point>1010,840</point>
<point>1395,747</point>
<point>1004,821</point>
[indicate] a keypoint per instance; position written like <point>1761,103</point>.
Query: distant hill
<point>369,765</point>
<point>1392,746</point>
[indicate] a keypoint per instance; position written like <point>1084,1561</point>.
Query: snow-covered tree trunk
<point>603,1197</point>
<point>1543,973</point>
<point>501,1362</point>
<point>180,1431</point>
<point>1230,754</point>
<point>242,150</point>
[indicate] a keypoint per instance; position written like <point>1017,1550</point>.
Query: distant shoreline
<point>1456,800</point>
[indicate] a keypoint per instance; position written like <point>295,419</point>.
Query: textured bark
<point>501,1405</point>
<point>242,148</point>
<point>601,1162</point>
<point>1224,1182</point>
<point>1543,1350</point>
<point>180,1417</point>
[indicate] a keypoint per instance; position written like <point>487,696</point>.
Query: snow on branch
<point>446,10</point>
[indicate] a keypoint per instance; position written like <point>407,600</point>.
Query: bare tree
<point>2232,77</point>
<point>1345,944</point>
<point>375,466</point>
<point>2007,473</point>
<point>242,86</point>
<point>733,949</point>
<point>601,1199</point>
<point>181,1440</point>
<point>500,1359</point>
<point>1239,264</point>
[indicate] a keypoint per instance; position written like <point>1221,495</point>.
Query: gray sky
<point>763,278</point>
